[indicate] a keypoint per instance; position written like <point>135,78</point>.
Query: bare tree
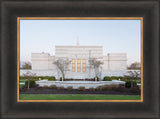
<point>26,65</point>
<point>29,75</point>
<point>62,65</point>
<point>96,65</point>
<point>133,75</point>
<point>135,66</point>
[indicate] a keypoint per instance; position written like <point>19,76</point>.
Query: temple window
<point>73,65</point>
<point>78,65</point>
<point>84,65</point>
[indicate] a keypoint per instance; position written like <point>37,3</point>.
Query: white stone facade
<point>114,64</point>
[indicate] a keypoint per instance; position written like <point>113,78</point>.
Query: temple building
<point>113,64</point>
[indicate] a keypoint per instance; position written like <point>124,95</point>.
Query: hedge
<point>50,78</point>
<point>108,78</point>
<point>129,83</point>
<point>32,83</point>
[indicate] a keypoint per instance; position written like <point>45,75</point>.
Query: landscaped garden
<point>29,90</point>
<point>105,89</point>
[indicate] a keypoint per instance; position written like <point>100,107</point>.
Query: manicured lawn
<point>77,97</point>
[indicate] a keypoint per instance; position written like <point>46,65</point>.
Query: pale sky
<point>116,36</point>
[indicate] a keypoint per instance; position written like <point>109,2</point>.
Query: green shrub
<point>51,78</point>
<point>114,77</point>
<point>36,78</point>
<point>81,88</point>
<point>52,86</point>
<point>91,89</point>
<point>129,83</point>
<point>70,88</point>
<point>31,83</point>
<point>60,88</point>
<point>120,77</point>
<point>107,78</point>
<point>123,78</point>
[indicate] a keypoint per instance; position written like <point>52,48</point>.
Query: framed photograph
<point>81,72</point>
<point>83,59</point>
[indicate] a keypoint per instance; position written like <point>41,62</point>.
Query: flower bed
<point>120,90</point>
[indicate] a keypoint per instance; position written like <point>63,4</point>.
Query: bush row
<point>120,88</point>
<point>50,78</point>
<point>128,84</point>
<point>86,79</point>
<point>122,78</point>
<point>32,83</point>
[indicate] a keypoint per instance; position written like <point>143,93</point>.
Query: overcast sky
<point>116,36</point>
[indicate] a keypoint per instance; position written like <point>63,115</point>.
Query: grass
<point>77,97</point>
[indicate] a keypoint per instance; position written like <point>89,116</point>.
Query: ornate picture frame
<point>11,10</point>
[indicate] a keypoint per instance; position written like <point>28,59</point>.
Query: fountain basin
<point>77,84</point>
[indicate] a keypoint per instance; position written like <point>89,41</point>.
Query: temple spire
<point>77,41</point>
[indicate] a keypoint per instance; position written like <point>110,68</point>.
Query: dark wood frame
<point>11,9</point>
